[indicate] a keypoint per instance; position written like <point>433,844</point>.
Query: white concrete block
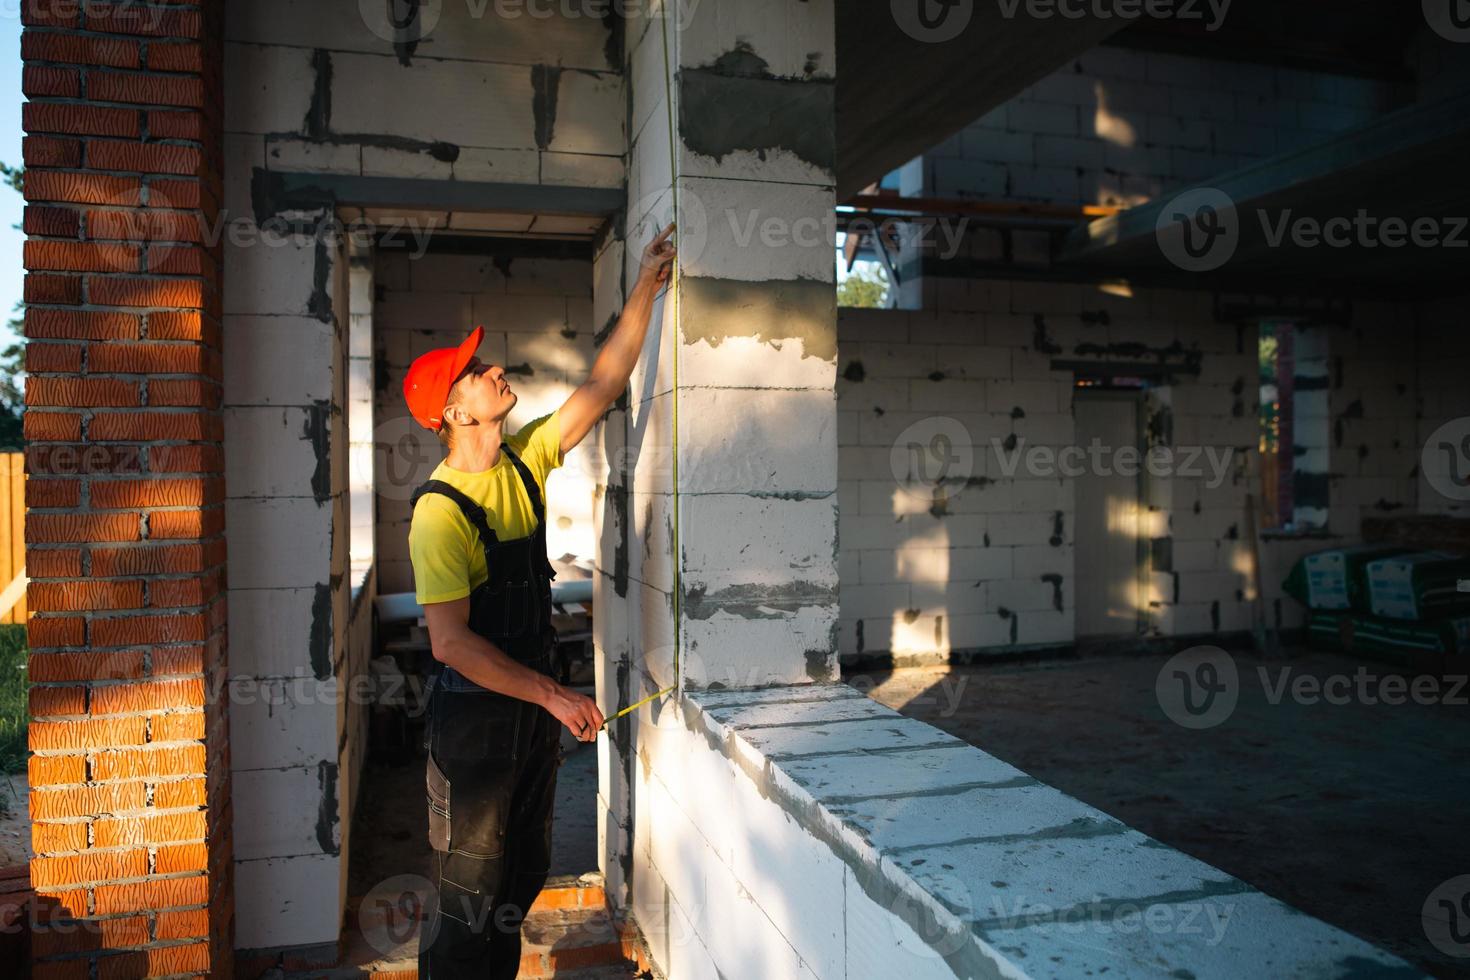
<point>460,102</point>
<point>278,813</point>
<point>271,632</point>
<point>549,277</point>
<point>795,40</point>
<point>738,541</point>
<point>788,647</point>
<point>833,778</point>
<point>875,733</point>
<point>293,901</point>
<point>786,441</point>
<point>507,32</point>
<point>282,436</point>
<point>554,352</point>
<point>311,157</point>
<point>392,161</point>
<point>794,878</point>
<point>496,165</point>
<point>283,722</point>
<point>884,943</point>
<point>278,542</point>
<point>651,539</point>
<point>756,231</point>
<point>269,88</point>
<point>888,394</point>
<point>582,169</point>
<point>590,109</point>
<point>977,632</point>
<point>271,273</point>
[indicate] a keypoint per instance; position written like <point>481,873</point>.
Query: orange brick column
<point>125,530</point>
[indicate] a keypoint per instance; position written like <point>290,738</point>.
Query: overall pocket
<point>438,798</point>
<point>480,727</point>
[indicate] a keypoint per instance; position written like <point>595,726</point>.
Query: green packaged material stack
<point>1421,585</point>
<point>1334,580</point>
<point>1360,633</point>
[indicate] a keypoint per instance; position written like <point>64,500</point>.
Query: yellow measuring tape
<point>672,297</point>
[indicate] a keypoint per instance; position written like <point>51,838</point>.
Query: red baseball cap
<point>426,388</point>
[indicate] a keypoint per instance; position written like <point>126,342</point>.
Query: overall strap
<point>473,512</point>
<point>529,482</point>
<point>534,492</point>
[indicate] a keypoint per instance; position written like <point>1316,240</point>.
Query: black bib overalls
<point>492,763</point>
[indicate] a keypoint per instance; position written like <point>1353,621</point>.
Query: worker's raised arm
<point>455,645</point>
<point>614,364</point>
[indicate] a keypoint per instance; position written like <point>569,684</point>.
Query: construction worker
<point>478,545</point>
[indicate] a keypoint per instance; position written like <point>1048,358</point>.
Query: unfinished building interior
<point>245,219</point>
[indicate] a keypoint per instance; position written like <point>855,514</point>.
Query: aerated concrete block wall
<point>286,477</point>
<point>1397,378</point>
<point>537,315</point>
<point>754,572</point>
<point>1443,362</point>
<point>474,92</point>
<point>459,92</point>
<point>987,562</point>
<point>1120,126</point>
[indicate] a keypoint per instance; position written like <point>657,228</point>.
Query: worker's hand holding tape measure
<point>577,711</point>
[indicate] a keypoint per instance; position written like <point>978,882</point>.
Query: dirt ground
<point>1352,812</point>
<point>15,821</point>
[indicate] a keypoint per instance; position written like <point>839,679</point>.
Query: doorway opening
<point>1111,544</point>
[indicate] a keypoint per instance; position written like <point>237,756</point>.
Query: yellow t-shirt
<point>448,558</point>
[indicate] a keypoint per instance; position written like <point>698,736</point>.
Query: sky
<point>12,274</point>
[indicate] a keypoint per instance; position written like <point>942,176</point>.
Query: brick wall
<point>537,315</point>
<point>129,775</point>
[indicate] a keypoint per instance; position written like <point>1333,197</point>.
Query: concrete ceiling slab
<point>904,87</point>
<point>1407,166</point>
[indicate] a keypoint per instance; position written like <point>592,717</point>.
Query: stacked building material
<point>1385,599</point>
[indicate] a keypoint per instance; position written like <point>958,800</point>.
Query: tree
<point>862,289</point>
<point>12,358</point>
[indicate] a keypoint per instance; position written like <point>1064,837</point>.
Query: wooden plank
<point>7,531</point>
<point>22,611</point>
<point>17,512</point>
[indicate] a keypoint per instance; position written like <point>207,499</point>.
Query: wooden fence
<point>12,530</point>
